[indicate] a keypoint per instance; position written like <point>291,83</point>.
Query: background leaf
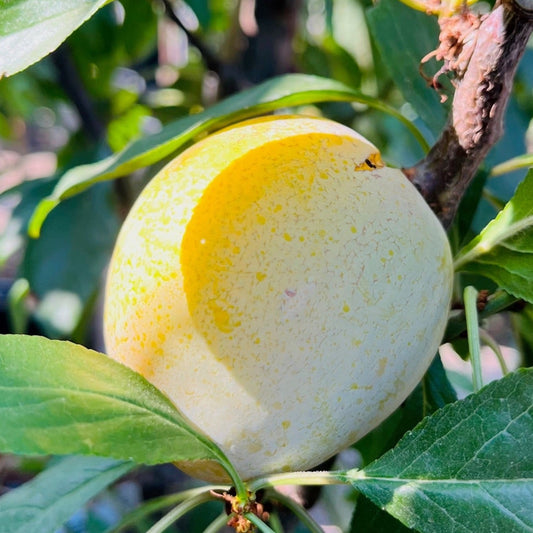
<point>61,398</point>
<point>289,90</point>
<point>30,29</point>
<point>64,266</point>
<point>402,54</point>
<point>503,251</point>
<point>468,467</point>
<point>14,236</point>
<point>45,503</point>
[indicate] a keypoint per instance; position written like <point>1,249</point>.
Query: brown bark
<point>476,120</point>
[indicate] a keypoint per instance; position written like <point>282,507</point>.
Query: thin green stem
<point>305,518</point>
<point>515,163</point>
<point>296,478</point>
<point>217,524</point>
<point>472,327</point>
<point>275,522</point>
<point>407,123</point>
<point>256,521</point>
<point>179,511</point>
<point>496,303</point>
<point>241,489</point>
<point>156,504</point>
<point>495,347</point>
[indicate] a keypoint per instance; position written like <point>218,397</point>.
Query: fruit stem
<point>297,478</point>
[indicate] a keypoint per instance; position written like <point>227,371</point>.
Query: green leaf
<point>64,266</point>
<point>523,333</point>
<point>61,398</point>
<point>30,29</point>
<point>461,230</point>
<point>46,502</point>
<point>503,251</point>
<point>15,234</point>
<point>402,53</point>
<point>284,91</point>
<point>466,468</point>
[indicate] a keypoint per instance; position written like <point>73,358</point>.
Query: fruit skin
<point>282,287</point>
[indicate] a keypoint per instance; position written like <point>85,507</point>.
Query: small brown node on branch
<point>457,39</point>
<point>236,508</point>
<point>482,299</point>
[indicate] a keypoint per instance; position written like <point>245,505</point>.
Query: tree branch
<point>70,81</point>
<point>212,62</point>
<point>480,99</point>
<point>231,78</point>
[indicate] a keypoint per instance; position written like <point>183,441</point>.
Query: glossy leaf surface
<point>30,29</point>
<point>468,467</point>
<point>60,398</point>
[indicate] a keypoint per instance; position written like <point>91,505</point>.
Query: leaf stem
<point>496,303</point>
<point>305,518</point>
<point>217,524</point>
<point>515,163</point>
<point>275,522</point>
<point>472,326</point>
<point>495,347</point>
<point>297,478</point>
<point>241,489</point>
<point>156,504</point>
<point>256,521</point>
<point>180,510</point>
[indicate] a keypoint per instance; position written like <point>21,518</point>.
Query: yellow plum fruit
<point>282,287</point>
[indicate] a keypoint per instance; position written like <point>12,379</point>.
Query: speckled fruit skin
<point>284,288</point>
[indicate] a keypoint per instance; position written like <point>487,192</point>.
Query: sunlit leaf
<point>61,398</point>
<point>468,467</point>
<point>30,29</point>
<point>503,251</point>
<point>284,91</point>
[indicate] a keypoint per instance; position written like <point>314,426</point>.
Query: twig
<point>211,61</point>
<point>70,81</point>
<point>479,103</point>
